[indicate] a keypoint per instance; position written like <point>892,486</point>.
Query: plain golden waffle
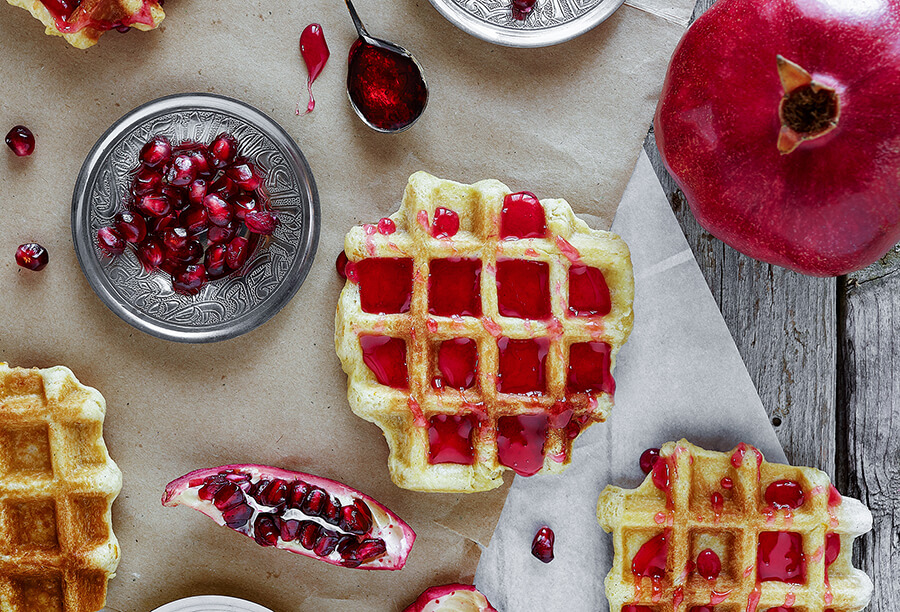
<point>479,296</point>
<point>730,532</point>
<point>89,19</point>
<point>57,483</point>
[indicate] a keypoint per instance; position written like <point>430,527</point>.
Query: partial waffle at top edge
<point>731,531</point>
<point>57,485</point>
<point>424,328</point>
<point>91,18</point>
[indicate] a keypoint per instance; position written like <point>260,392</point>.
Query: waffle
<point>522,405</point>
<point>57,483</point>
<point>91,18</point>
<point>733,533</point>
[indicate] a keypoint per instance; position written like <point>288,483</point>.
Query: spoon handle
<point>360,28</point>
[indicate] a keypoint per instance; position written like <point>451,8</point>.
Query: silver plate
<point>226,307</point>
<point>550,21</point>
<point>211,603</point>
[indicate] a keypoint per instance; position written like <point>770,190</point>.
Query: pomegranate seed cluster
<point>196,212</point>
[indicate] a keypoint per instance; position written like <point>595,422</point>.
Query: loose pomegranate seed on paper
<point>305,514</point>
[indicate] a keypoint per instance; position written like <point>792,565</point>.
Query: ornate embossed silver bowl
<point>226,307</point>
<point>550,21</point>
<point>211,603</point>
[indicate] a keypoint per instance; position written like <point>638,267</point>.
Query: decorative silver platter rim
<point>211,603</point>
<point>229,109</point>
<point>525,37</point>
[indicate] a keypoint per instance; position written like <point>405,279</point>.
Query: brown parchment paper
<point>565,121</point>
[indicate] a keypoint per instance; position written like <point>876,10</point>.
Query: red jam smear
<point>588,292</point>
<point>784,494</point>
<point>62,11</point>
<point>780,609</point>
<point>634,608</point>
<point>648,459</point>
<point>702,609</point>
<point>779,557</point>
<point>727,483</point>
<point>650,560</point>
<point>454,287</point>
<point>662,475</point>
<point>834,498</point>
<point>386,357</point>
<point>314,51</point>
<point>718,503</point>
<point>522,216</point>
<point>385,284</point>
<point>832,548</point>
<point>446,223</point>
<point>708,564</point>
<point>386,226</point>
<point>450,439</point>
<point>522,365</point>
<point>520,442</point>
<point>458,363</point>
<point>589,365</point>
<point>523,289</point>
<point>386,87</point>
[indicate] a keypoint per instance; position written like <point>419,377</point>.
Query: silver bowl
<point>211,603</point>
<point>550,22</point>
<point>226,307</point>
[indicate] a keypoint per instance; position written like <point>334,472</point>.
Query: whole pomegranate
<point>779,121</point>
<point>451,598</point>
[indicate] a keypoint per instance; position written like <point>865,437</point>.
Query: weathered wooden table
<point>825,357</point>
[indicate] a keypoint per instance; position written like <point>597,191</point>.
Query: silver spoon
<point>385,83</point>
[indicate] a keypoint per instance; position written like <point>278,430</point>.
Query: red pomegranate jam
<point>779,556</point>
<point>633,608</point>
<point>780,609</point>
<point>386,357</point>
<point>648,459</point>
<point>834,498</point>
<point>589,364</point>
<point>727,483</point>
<point>314,51</point>
<point>520,442</point>
<point>708,564</point>
<point>385,284</point>
<point>588,292</point>
<point>522,216</point>
<point>386,87</point>
<point>661,475</point>
<point>650,560</point>
<point>454,287</point>
<point>784,494</point>
<point>702,609</point>
<point>832,548</point>
<point>446,223</point>
<point>522,365</point>
<point>450,439</point>
<point>457,362</point>
<point>523,289</point>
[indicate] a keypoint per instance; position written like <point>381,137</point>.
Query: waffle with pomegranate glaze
<point>57,484</point>
<point>479,329</point>
<point>82,22</point>
<point>729,532</point>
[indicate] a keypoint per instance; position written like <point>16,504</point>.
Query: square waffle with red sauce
<point>731,532</point>
<point>57,485</point>
<point>82,22</point>
<point>479,330</point>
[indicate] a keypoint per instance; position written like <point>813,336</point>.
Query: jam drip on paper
<point>314,51</point>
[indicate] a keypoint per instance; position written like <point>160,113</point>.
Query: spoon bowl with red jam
<point>385,83</point>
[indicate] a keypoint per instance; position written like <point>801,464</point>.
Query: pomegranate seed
<point>221,235</point>
<point>182,171</point>
<point>326,544</point>
<point>189,279</point>
<point>191,254</point>
<point>290,530</point>
<point>227,496</point>
<point>341,265</point>
<point>542,546</point>
<point>314,503</point>
<point>237,516</point>
<point>274,494</point>
<point>386,226</point>
<point>33,256</point>
<point>369,549</point>
<point>147,180</point>
<point>208,491</point>
<point>298,492</point>
<point>175,239</point>
<point>21,141</point>
<point>159,225</point>
<point>223,150</point>
<point>215,261</point>
<point>176,196</point>
<point>197,191</point>
<point>200,161</point>
<point>224,186</point>
<point>356,518</point>
<point>156,152</point>
<point>244,174</point>
<point>150,252</point>
<point>332,512</point>
<point>309,534</point>
<point>708,564</point>
<point>261,222</point>
<point>244,203</point>
<point>265,530</point>
<point>784,494</point>
<point>446,223</point>
<point>237,252</point>
<point>155,204</point>
<point>194,219</point>
<point>130,226</point>
<point>219,211</point>
<point>648,459</point>
<point>110,241</point>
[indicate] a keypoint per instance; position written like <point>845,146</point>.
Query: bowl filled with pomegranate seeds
<point>195,218</point>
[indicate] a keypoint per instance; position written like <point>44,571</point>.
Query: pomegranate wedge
<point>451,598</point>
<point>311,516</point>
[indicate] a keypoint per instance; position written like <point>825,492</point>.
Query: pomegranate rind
<point>397,535</point>
<point>451,598</point>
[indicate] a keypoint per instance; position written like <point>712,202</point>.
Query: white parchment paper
<point>680,375</point>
